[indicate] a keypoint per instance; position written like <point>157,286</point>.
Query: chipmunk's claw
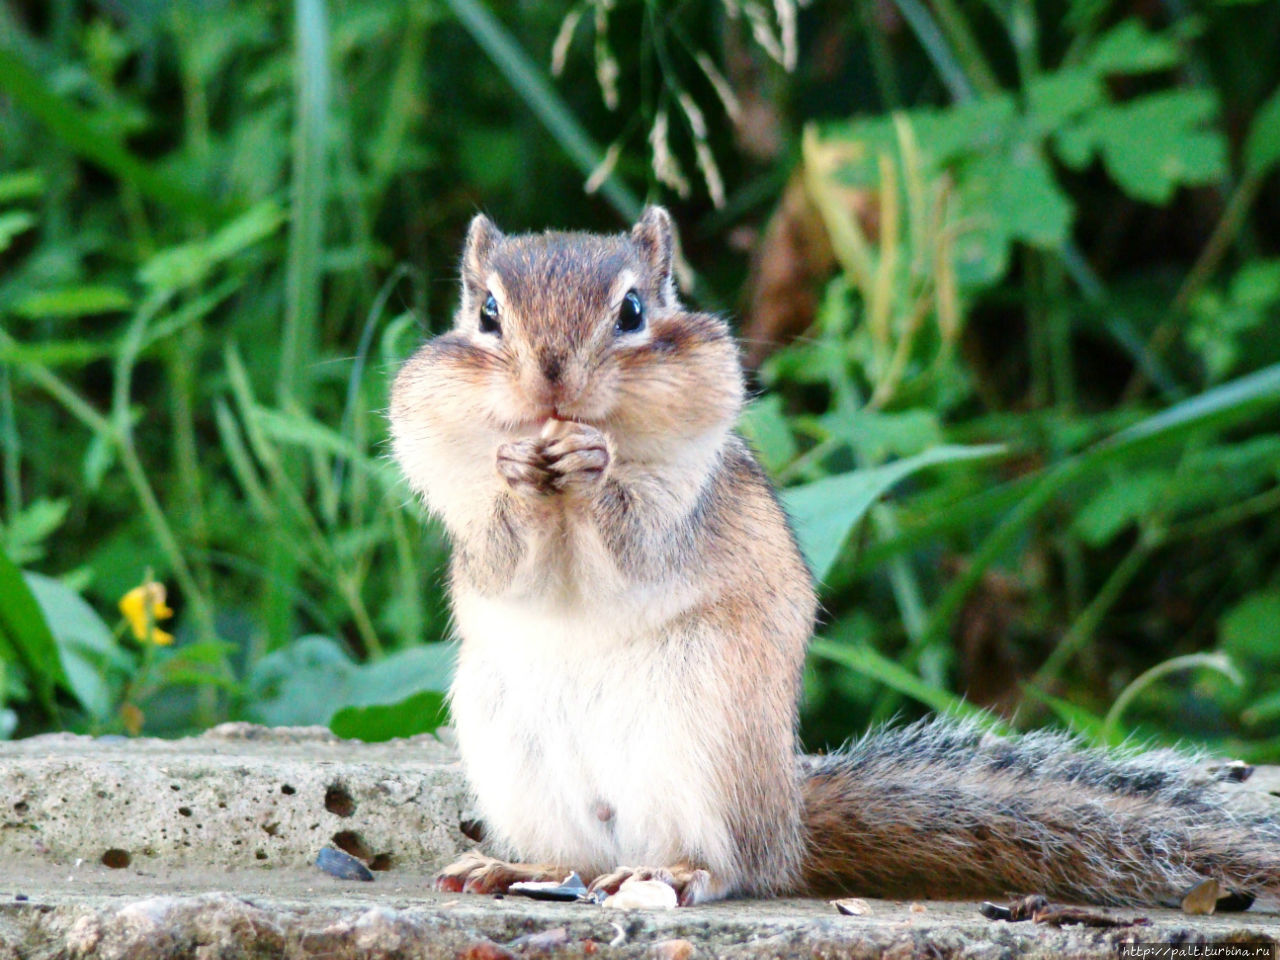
<point>475,872</point>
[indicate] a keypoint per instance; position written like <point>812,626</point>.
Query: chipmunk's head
<point>585,327</point>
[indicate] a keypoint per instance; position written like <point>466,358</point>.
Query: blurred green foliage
<point>1031,441</point>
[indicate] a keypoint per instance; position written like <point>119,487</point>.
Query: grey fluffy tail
<point>946,810</point>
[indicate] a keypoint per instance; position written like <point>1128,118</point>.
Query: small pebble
<point>340,864</point>
<point>852,907</point>
<point>1202,899</point>
<point>20,896</point>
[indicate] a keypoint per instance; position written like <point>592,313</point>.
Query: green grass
<point>1031,441</point>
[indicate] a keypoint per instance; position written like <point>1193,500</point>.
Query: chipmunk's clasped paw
<point>568,458</point>
<point>691,884</point>
<point>476,873</point>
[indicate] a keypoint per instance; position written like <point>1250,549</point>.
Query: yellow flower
<point>142,607</point>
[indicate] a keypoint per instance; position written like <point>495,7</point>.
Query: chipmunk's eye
<point>489,316</point>
<point>631,313</point>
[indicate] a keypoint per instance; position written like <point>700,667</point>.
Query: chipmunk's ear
<point>482,237</point>
<point>655,235</point>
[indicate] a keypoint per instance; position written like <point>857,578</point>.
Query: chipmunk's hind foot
<point>475,872</point>
<point>691,884</point>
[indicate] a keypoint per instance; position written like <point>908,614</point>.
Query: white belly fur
<point>562,711</point>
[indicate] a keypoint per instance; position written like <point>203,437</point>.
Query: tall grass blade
<point>532,86</point>
<point>310,187</point>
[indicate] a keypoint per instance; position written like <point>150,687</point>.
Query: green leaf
<point>879,436</point>
<point>25,637</point>
<point>313,678</point>
<point>23,536</point>
<point>55,353</point>
<point>73,302</point>
<point>188,264</point>
<point>1019,192</point>
<point>1130,48</point>
<point>84,133</point>
<point>1151,145</point>
<point>85,644</point>
<point>418,713</point>
<point>766,426</point>
<point>1124,498</point>
<point>1055,98</point>
<point>1262,146</point>
<point>21,185</point>
<point>1076,718</point>
<point>1251,630</point>
<point>866,660</point>
<point>826,511</point>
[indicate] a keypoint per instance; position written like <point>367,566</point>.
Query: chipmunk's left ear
<point>655,235</point>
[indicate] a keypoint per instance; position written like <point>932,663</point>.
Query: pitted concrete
<point>193,816</point>
<point>239,796</point>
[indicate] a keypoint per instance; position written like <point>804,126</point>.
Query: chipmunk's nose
<point>551,365</point>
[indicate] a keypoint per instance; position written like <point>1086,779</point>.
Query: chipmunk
<point>633,611</point>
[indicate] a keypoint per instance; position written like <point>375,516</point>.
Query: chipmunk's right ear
<point>482,237</point>
<point>655,235</point>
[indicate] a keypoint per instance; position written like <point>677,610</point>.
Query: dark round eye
<point>631,313</point>
<point>489,316</point>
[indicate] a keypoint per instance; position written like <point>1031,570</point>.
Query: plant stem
<point>1224,234</point>
<point>1083,629</point>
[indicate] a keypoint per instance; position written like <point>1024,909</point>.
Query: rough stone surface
<point>195,887</point>
<point>237,796</point>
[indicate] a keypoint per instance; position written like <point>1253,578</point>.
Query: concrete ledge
<point>238,796</point>
<point>193,817</point>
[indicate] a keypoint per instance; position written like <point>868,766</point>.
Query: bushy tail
<point>945,810</point>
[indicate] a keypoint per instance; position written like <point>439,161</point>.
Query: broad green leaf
<point>1021,194</point>
<point>394,677</point>
<point>421,712</point>
<point>766,426</point>
<point>1130,48</point>
<point>827,510</point>
<point>1262,147</point>
<point>1251,630</point>
<point>879,436</point>
<point>25,637</point>
<point>85,644</point>
<point>1151,145</point>
<point>310,680</point>
<point>1055,98</point>
<point>73,302</point>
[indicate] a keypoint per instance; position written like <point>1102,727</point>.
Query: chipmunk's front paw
<point>691,884</point>
<point>576,457</point>
<point>477,873</point>
<point>524,466</point>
